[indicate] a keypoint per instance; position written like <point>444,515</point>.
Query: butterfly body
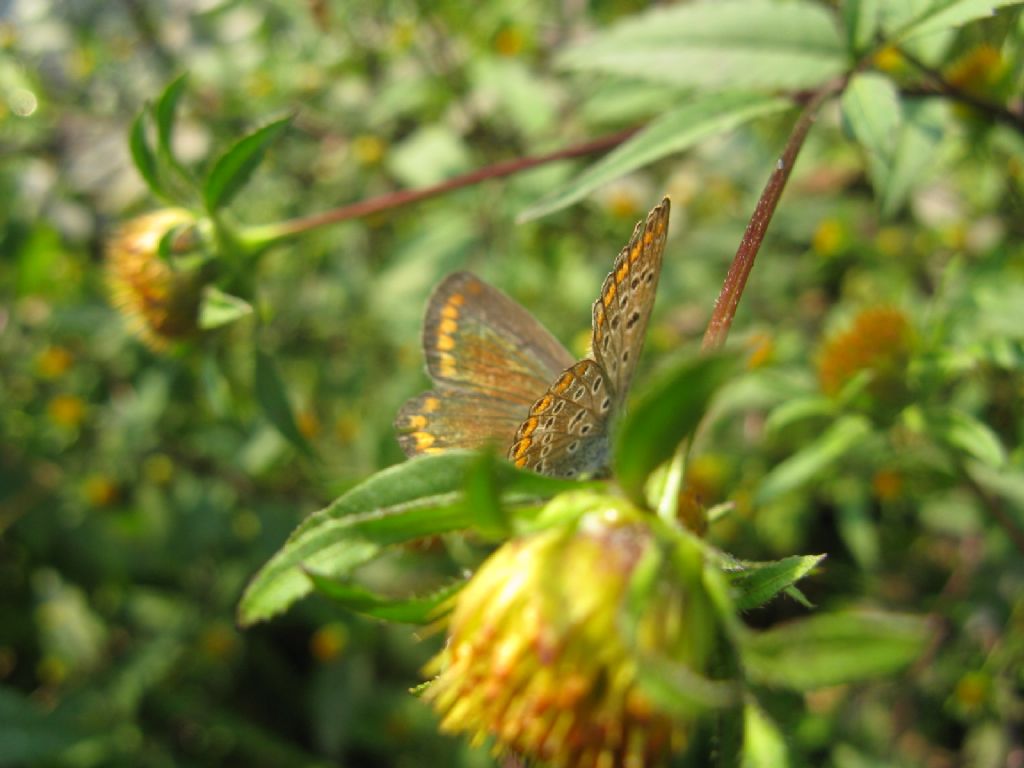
<point>501,377</point>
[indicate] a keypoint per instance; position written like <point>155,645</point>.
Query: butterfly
<point>500,376</point>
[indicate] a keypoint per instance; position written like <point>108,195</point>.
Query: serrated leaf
<point>836,648</point>
<point>927,17</point>
<point>763,743</point>
<point>758,583</point>
<point>273,399</point>
<point>672,132</point>
<point>218,309</point>
<point>421,497</point>
<point>862,18</point>
<point>665,413</point>
<point>410,610</point>
<point>234,168</point>
<point>718,45</point>
<point>811,460</point>
<point>143,155</point>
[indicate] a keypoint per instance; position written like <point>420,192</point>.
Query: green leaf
<point>921,132</point>
<point>811,460</point>
<point>411,610</point>
<point>861,19</point>
<point>966,435</point>
<point>231,172</point>
<point>836,648</point>
<point>927,17</point>
<point>143,155</point>
<point>421,497</point>
<point>219,309</point>
<point>664,414</point>
<point>484,496</point>
<point>758,583</point>
<point>763,743</point>
<point>745,44</point>
<point>872,111</point>
<point>273,399</point>
<point>164,113</point>
<point>673,131</point>
<point>797,410</point>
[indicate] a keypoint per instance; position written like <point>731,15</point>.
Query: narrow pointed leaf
<point>861,18</point>
<point>273,399</point>
<point>164,114</point>
<point>664,414</point>
<point>719,45</point>
<point>763,743</point>
<point>234,168</point>
<point>143,155</point>
<point>907,20</point>
<point>219,309</point>
<point>965,434</point>
<point>421,497</point>
<point>831,649</point>
<point>672,132</point>
<point>758,583</point>
<point>410,610</point>
<point>804,465</point>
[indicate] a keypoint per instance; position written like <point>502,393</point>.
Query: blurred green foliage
<point>140,490</point>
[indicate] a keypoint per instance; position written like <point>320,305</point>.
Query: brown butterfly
<point>500,377</point>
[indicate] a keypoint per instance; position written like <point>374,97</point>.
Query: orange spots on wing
<point>609,294</point>
<point>431,404</point>
<point>445,343</point>
<point>634,253</point>
<point>418,421</point>
<point>474,287</point>
<point>542,405</point>
<point>529,426</point>
<point>648,237</point>
<point>456,300</point>
<point>563,383</point>
<point>520,449</point>
<point>622,271</point>
<point>448,369</point>
<point>659,228</point>
<point>450,312</point>
<point>448,326</point>
<point>423,440</point>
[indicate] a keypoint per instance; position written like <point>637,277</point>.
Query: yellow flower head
<point>880,341</point>
<point>159,298</point>
<point>537,658</point>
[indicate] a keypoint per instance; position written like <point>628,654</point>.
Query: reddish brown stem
<point>735,281</point>
<point>408,196</point>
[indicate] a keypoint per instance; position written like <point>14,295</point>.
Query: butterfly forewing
<point>566,431</point>
<point>624,306</point>
<point>477,339</point>
<point>489,360</point>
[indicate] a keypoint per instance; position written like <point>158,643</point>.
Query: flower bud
<point>539,656</point>
<point>158,295</point>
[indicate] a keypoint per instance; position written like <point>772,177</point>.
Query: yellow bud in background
<point>157,297</point>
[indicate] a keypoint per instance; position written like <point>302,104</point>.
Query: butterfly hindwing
<point>566,432</point>
<point>624,306</point>
<point>435,421</point>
